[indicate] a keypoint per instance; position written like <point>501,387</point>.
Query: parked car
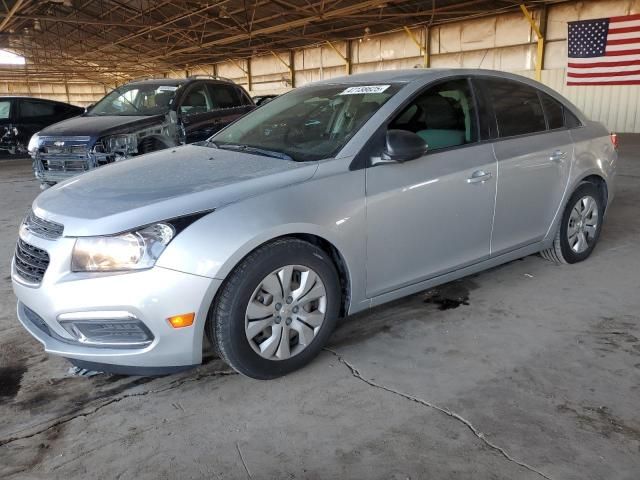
<point>331,199</point>
<point>262,99</point>
<point>21,117</point>
<point>136,118</point>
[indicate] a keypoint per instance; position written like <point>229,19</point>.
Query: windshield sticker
<point>167,88</point>
<point>365,89</point>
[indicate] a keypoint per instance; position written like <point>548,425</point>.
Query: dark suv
<point>21,117</point>
<point>137,118</point>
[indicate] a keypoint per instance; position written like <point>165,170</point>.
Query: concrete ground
<point>526,371</point>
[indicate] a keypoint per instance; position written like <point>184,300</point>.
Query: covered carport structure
<point>527,371</point>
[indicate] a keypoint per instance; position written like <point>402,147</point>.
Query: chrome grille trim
<point>43,228</point>
<point>30,262</point>
<point>64,154</point>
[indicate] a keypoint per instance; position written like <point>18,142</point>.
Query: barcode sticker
<point>365,89</point>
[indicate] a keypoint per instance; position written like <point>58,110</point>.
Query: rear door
<point>534,153</point>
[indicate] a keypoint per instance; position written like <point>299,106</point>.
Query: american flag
<point>605,51</point>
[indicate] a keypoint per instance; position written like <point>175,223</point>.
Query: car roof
<point>16,97</point>
<point>177,81</point>
<point>420,74</point>
<point>426,75</point>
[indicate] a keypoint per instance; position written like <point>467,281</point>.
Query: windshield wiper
<point>249,149</point>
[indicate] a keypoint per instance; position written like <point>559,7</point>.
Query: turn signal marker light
<point>180,321</point>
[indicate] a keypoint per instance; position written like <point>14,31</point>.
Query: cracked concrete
<point>356,373</point>
<point>531,370</point>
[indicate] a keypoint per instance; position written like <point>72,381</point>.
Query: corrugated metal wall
<point>76,93</point>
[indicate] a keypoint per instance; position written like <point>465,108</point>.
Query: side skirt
<point>463,272</point>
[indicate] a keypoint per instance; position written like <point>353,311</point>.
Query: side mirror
<point>401,146</point>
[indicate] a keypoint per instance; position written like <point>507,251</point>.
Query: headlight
<point>121,145</point>
<point>134,250</point>
<point>33,143</point>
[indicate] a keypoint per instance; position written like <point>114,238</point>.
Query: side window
<point>570,120</point>
<point>33,109</point>
<point>5,109</point>
<point>516,106</point>
<point>224,96</point>
<point>244,97</point>
<point>197,100</point>
<point>554,111</point>
<point>444,115</point>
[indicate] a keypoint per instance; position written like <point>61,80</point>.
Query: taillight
<point>614,140</point>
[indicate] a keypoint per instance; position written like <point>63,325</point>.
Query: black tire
<point>561,251</point>
<point>226,323</point>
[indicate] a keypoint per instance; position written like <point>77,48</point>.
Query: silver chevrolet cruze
<point>331,199</point>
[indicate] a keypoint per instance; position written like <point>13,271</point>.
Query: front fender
<point>330,207</point>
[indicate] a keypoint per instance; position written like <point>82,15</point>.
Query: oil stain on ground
<point>449,296</point>
<point>10,378</point>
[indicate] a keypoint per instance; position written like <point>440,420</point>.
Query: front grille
<point>30,262</point>
<point>42,228</point>
<point>64,154</point>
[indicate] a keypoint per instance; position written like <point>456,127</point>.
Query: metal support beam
<point>249,79</point>
<point>345,58</point>
<point>424,50</point>
<point>288,65</point>
<point>10,14</point>
<point>540,36</point>
<point>292,68</point>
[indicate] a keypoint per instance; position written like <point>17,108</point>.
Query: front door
<point>431,215</point>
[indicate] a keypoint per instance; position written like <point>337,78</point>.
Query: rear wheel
<point>580,226</point>
<point>276,310</point>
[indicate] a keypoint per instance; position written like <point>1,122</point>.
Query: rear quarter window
<point>554,111</point>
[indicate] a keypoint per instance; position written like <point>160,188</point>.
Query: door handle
<point>557,156</point>
<point>479,176</point>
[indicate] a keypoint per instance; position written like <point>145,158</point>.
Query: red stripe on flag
<point>625,18</point>
<point>602,74</point>
<point>613,31</point>
<point>617,53</point>
<point>613,82</point>
<point>623,41</point>
<point>624,63</point>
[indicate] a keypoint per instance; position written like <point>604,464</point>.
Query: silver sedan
<point>331,199</point>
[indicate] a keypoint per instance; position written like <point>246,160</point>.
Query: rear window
<point>517,107</point>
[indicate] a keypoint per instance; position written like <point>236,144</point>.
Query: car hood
<point>96,126</point>
<point>163,185</point>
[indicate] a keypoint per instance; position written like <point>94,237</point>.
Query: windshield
<point>306,124</point>
<point>136,99</point>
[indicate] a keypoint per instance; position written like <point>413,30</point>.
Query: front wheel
<point>276,310</point>
<point>580,228</point>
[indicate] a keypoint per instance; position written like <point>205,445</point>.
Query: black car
<point>136,118</point>
<point>21,117</point>
<point>262,99</point>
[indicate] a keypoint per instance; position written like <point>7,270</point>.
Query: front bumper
<point>151,296</point>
